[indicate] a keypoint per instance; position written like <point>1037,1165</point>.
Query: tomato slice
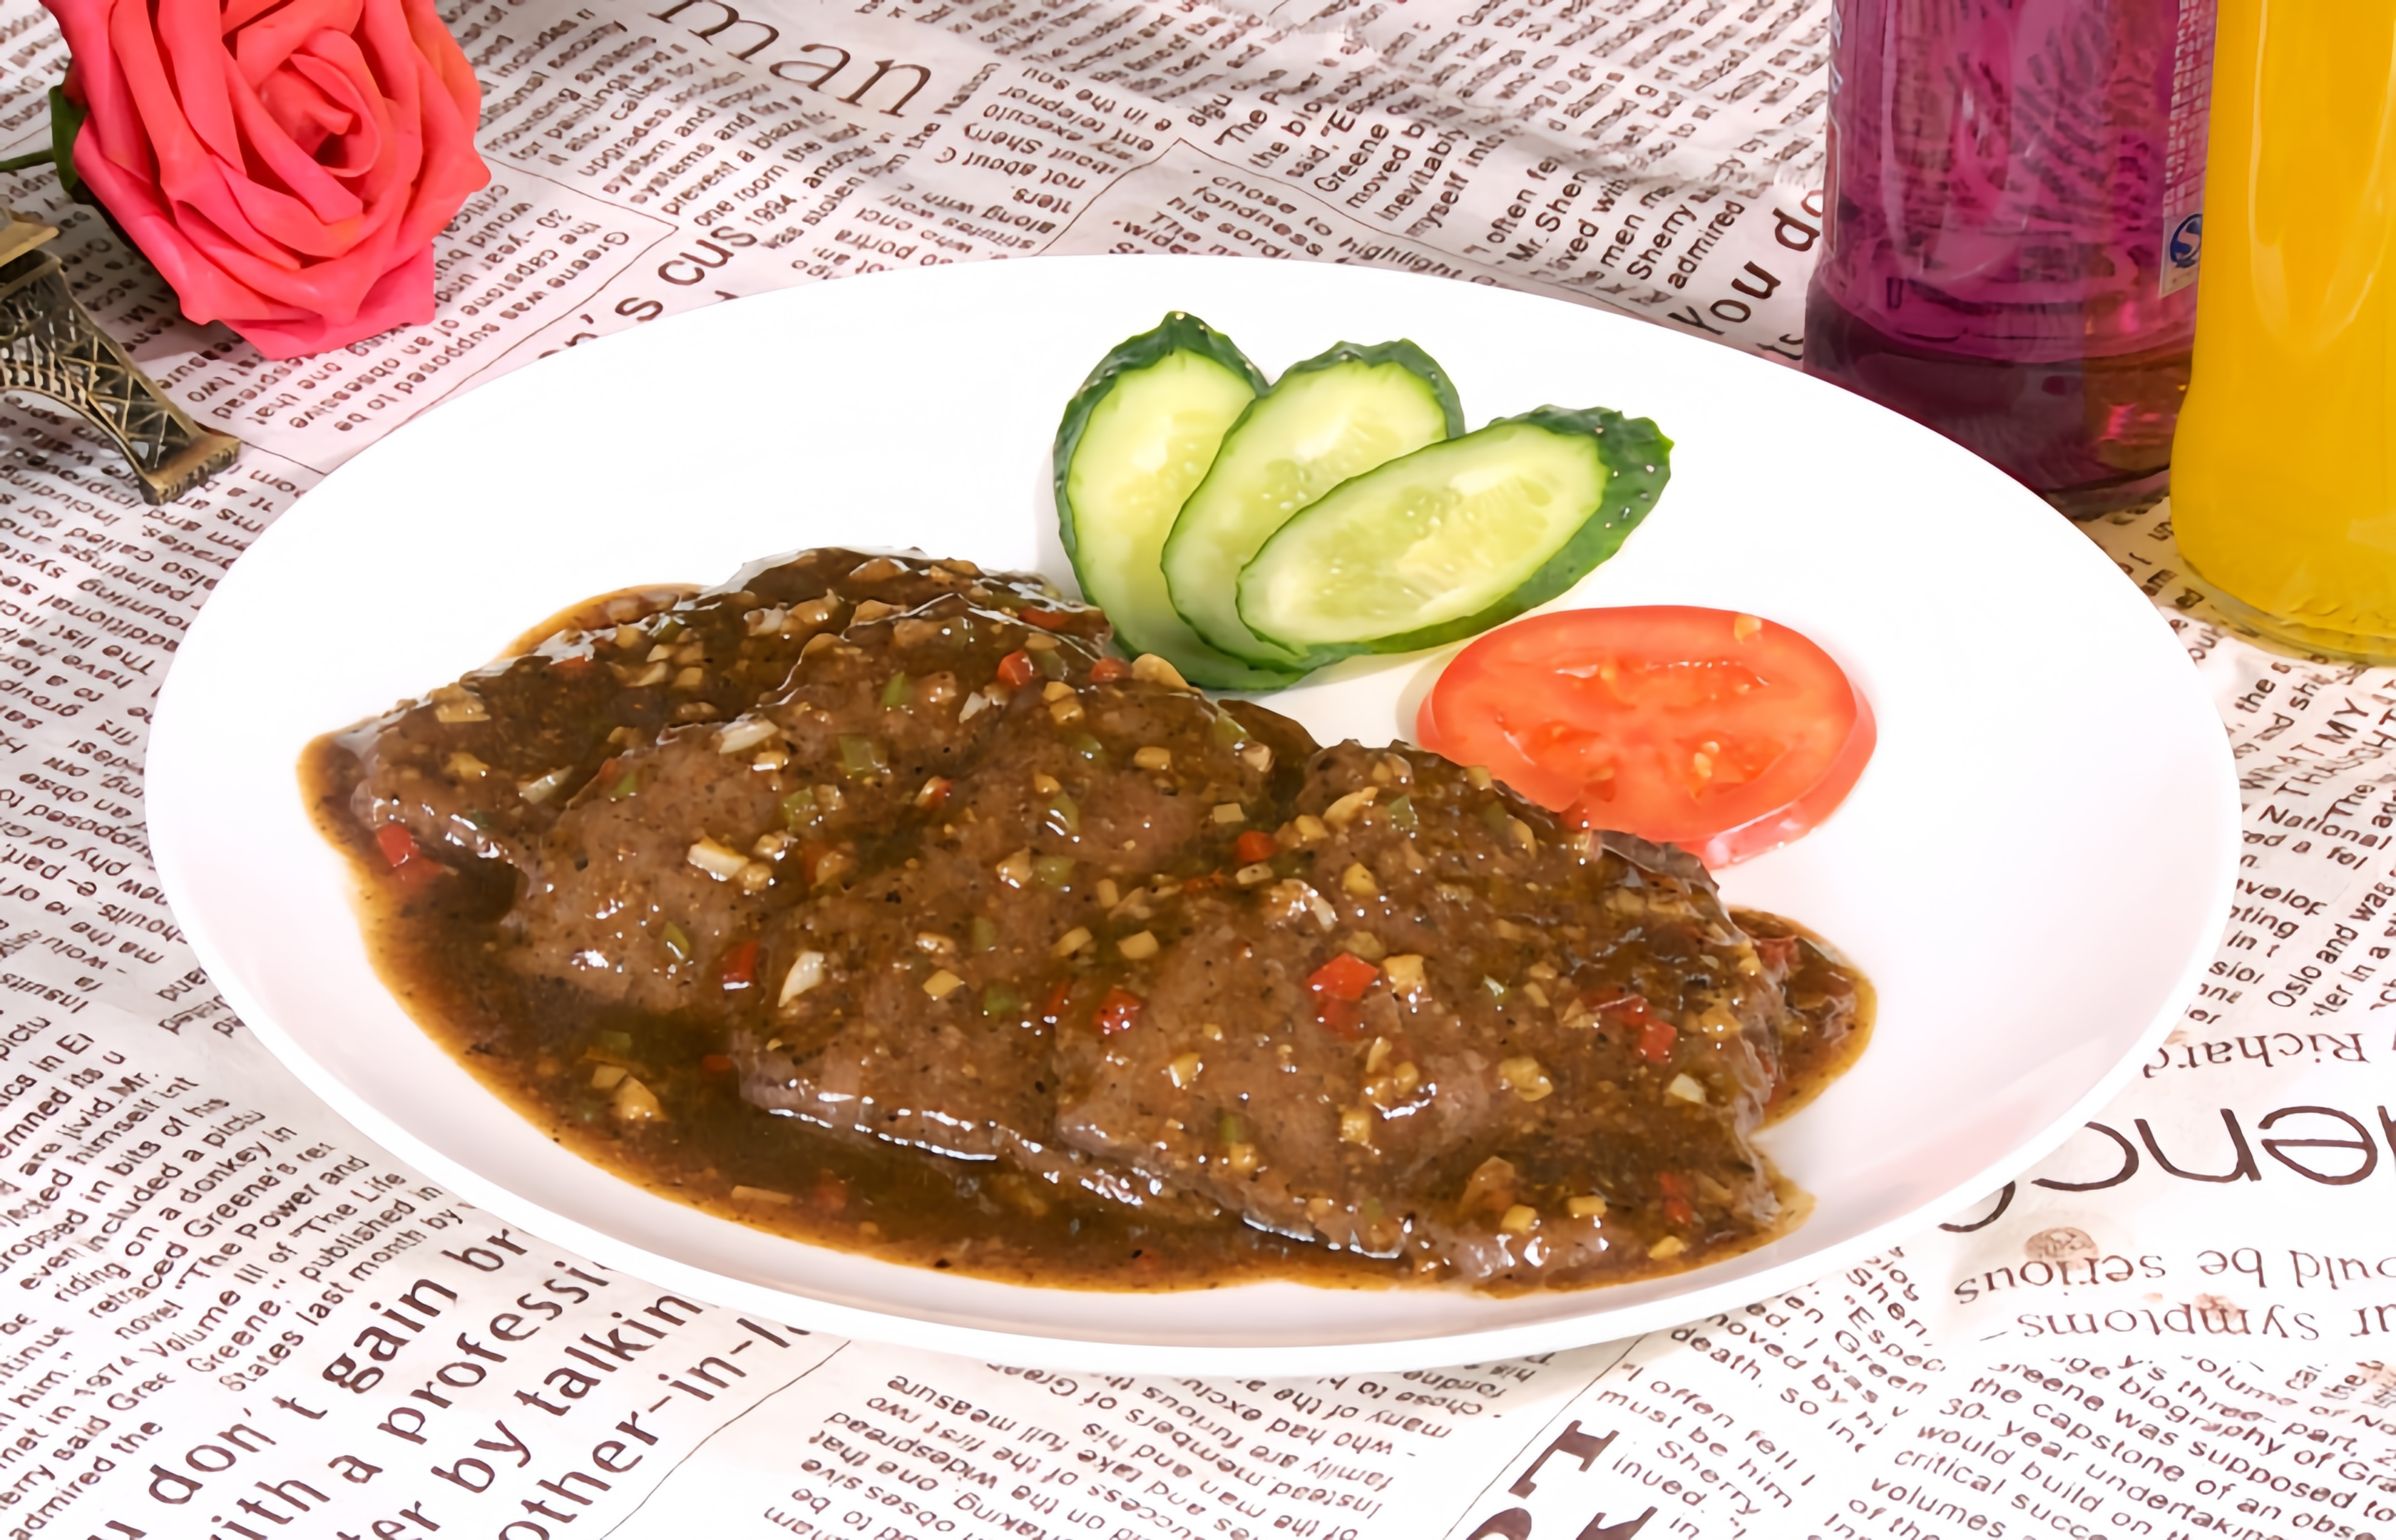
<point>1722,733</point>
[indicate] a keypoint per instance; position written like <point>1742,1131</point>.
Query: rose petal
<point>288,158</point>
<point>126,42</point>
<point>196,51</point>
<point>452,169</point>
<point>241,13</point>
<point>385,39</point>
<point>204,291</point>
<point>188,173</point>
<point>94,80</point>
<point>292,222</point>
<point>343,79</point>
<point>262,47</point>
<point>403,297</point>
<point>332,287</point>
<point>438,46</point>
<point>307,116</point>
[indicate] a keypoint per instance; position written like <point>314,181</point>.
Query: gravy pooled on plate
<point>869,901</point>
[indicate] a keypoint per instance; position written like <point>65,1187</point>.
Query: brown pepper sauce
<point>438,948</point>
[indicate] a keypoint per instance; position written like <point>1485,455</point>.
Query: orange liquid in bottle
<point>2284,495</point>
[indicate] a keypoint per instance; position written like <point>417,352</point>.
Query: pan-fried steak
<point>896,850</point>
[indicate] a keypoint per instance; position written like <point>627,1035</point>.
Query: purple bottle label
<point>2020,179</point>
<point>2191,89</point>
<point>2016,217</point>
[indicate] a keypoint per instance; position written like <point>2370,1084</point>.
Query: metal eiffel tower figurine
<point>50,346</point>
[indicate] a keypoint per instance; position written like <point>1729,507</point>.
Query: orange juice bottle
<point>2283,473</point>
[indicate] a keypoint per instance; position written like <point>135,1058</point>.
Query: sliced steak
<point>680,850</point>
<point>1448,1022</point>
<point>913,996</point>
<point>481,767</point>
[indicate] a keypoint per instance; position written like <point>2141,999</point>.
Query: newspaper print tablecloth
<point>237,1317</point>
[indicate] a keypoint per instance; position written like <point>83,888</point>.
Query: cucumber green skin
<point>1407,356</point>
<point>1180,332</point>
<point>1638,462</point>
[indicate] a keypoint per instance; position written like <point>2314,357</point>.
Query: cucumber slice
<point>1136,438</point>
<point>1456,538</point>
<point>1334,415</point>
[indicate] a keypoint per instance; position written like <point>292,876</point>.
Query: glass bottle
<point>2284,501</point>
<point>2013,197</point>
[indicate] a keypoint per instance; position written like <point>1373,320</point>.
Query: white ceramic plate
<point>2032,871</point>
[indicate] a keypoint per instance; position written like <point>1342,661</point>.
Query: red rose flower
<point>285,163</point>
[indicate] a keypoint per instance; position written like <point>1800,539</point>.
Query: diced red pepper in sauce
<point>739,969</point>
<point>1047,620</point>
<point>1254,846</point>
<point>1119,1011</point>
<point>1015,671</point>
<point>1106,670</point>
<point>409,862</point>
<point>1346,977</point>
<point>1655,1036</point>
<point>1630,1008</point>
<point>1675,1188</point>
<point>935,792</point>
<point>716,1064</point>
<point>1337,986</point>
<point>1052,1010</point>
